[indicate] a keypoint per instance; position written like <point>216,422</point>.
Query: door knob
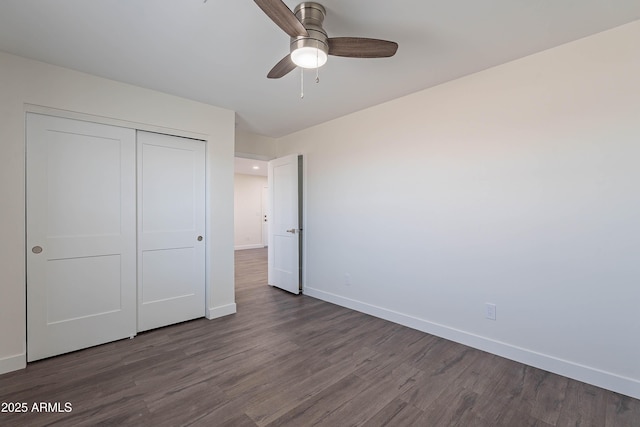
<point>199,238</point>
<point>293,231</point>
<point>36,249</point>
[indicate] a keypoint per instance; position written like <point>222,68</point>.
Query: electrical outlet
<point>347,279</point>
<point>490,311</point>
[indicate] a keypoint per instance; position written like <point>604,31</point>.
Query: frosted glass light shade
<point>309,57</point>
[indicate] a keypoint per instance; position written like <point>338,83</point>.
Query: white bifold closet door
<point>171,225</point>
<point>81,235</point>
<point>115,233</point>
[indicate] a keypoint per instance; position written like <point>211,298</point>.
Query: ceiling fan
<point>310,44</point>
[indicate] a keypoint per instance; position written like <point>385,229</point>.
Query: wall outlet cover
<point>490,311</point>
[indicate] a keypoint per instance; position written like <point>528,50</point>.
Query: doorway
<point>281,216</point>
<point>250,204</point>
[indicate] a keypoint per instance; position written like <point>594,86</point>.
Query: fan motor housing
<point>311,15</point>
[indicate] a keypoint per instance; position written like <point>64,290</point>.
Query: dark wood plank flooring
<point>287,360</point>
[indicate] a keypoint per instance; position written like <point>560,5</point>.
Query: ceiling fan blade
<point>282,68</point>
<point>358,47</point>
<point>283,17</point>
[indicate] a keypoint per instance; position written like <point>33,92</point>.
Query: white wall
<point>516,186</point>
<point>27,85</point>
<point>253,146</point>
<point>248,210</point>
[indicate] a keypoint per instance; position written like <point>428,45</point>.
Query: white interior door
<point>81,238</point>
<point>171,225</point>
<point>284,229</point>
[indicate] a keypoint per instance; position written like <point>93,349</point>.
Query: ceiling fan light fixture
<point>309,57</point>
<point>310,45</point>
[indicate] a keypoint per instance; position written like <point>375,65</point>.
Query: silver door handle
<point>293,231</point>
<point>36,249</point>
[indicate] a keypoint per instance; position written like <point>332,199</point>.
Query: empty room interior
<point>258,213</point>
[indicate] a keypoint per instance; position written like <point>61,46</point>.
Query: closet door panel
<point>81,236</point>
<point>171,245</point>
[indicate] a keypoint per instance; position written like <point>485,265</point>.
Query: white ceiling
<point>248,167</point>
<point>219,52</point>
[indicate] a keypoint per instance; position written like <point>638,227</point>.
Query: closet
<point>115,233</point>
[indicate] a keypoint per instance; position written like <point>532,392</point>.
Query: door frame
<point>302,202</point>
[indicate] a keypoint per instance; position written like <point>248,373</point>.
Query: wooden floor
<point>287,360</point>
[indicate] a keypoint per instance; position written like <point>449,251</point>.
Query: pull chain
<point>317,61</point>
<point>317,70</point>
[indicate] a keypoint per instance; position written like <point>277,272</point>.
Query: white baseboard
<point>243,247</point>
<point>13,363</point>
<point>607,380</point>
<point>223,310</point>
